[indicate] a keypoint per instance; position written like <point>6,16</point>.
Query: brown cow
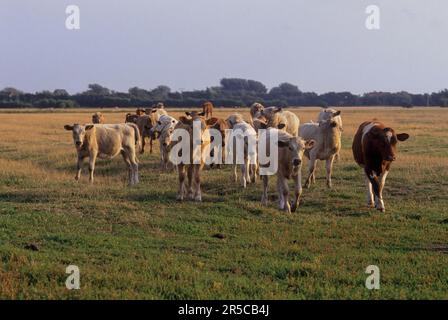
<point>220,125</point>
<point>191,170</point>
<point>97,118</point>
<point>207,108</point>
<point>374,149</point>
<point>131,118</point>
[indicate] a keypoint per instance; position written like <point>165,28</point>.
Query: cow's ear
<point>188,113</point>
<point>281,126</point>
<point>89,126</point>
<point>278,109</point>
<point>201,114</point>
<point>335,114</point>
<point>68,127</point>
<point>402,136</point>
<point>283,144</point>
<point>309,144</point>
<point>153,110</point>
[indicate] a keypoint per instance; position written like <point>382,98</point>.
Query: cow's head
<point>97,117</point>
<point>270,112</point>
<point>296,146</point>
<point>386,141</point>
<point>195,114</point>
<point>79,132</point>
<point>256,109</point>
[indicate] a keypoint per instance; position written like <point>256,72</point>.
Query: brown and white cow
<point>374,149</point>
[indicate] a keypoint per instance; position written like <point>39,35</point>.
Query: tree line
<point>230,93</point>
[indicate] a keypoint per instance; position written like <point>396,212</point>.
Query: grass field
<point>140,243</point>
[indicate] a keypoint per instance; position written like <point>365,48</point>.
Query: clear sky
<point>319,45</point>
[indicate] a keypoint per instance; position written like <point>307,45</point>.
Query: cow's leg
<point>283,192</point>
<point>313,177</point>
<point>142,149</point>
<point>253,173</point>
<point>127,160</point>
<point>235,174</point>
<point>297,190</point>
<point>134,166</point>
<point>379,200</point>
<point>329,167</point>
<point>311,171</point>
<point>369,192</point>
<point>197,182</point>
<point>92,160</point>
<point>79,167</point>
<point>264,196</point>
<point>190,181</point>
<point>182,189</point>
<point>376,186</point>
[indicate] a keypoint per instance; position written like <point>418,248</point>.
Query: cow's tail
<point>138,140</point>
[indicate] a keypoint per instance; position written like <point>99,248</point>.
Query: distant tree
<point>139,93</point>
<point>96,89</point>
<point>161,92</point>
<point>60,93</point>
<point>256,86</point>
<point>10,92</point>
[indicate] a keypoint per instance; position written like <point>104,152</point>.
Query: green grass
<point>140,243</point>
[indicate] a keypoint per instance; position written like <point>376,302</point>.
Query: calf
<point>328,143</point>
<point>97,118</point>
<point>164,128</point>
<point>290,154</point>
<point>191,170</point>
<point>327,114</point>
<point>220,125</point>
<point>243,130</point>
<point>278,118</point>
<point>106,141</point>
<point>374,149</point>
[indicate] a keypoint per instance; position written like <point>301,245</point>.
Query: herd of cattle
<point>374,147</point>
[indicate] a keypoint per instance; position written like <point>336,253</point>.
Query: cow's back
<point>112,137</point>
<point>292,122</point>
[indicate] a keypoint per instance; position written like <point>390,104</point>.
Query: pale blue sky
<point>320,45</point>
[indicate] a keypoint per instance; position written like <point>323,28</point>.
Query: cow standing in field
<point>244,132</point>
<point>290,154</point>
<point>164,128</point>
<point>327,139</point>
<point>327,114</point>
<point>374,149</point>
<point>106,141</point>
<point>207,108</point>
<point>97,118</point>
<point>145,123</point>
<point>220,125</point>
<point>278,118</point>
<point>190,169</point>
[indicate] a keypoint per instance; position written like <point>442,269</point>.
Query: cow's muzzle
<point>296,162</point>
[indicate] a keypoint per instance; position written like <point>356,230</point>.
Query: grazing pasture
<point>139,242</point>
